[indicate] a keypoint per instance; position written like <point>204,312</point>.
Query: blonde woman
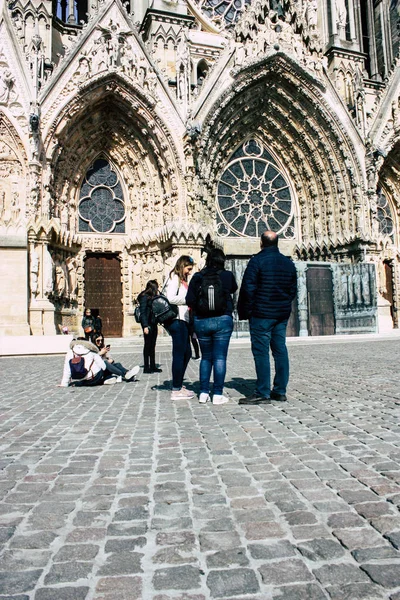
<point>175,289</point>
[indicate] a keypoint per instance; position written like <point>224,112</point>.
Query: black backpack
<point>211,300</point>
<point>77,367</point>
<point>163,311</point>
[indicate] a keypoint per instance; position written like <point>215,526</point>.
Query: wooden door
<point>321,319</point>
<point>103,291</point>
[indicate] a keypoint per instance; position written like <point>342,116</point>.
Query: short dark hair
<point>269,238</point>
<point>215,258</point>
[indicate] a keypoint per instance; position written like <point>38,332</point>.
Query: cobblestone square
<point>118,493</point>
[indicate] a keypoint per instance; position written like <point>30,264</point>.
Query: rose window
<point>101,205</point>
<point>254,195</point>
<point>226,12</point>
<point>384,215</point>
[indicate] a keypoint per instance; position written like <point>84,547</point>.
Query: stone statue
<point>311,13</point>
<point>356,280</point>
<point>48,272</point>
<point>2,203</point>
<point>365,286</point>
<point>341,13</point>
<point>60,279</point>
<point>34,273</point>
<point>72,281</point>
<point>6,83</point>
<point>344,290</point>
<point>15,209</point>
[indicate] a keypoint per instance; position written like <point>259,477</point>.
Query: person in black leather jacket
<point>265,299</point>
<point>149,327</point>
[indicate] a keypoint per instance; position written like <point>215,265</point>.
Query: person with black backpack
<point>149,326</point>
<point>210,297</point>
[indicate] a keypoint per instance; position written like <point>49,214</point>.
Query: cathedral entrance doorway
<point>103,291</point>
<point>321,319</point>
<point>388,285</point>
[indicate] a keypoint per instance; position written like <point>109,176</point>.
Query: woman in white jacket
<point>175,289</point>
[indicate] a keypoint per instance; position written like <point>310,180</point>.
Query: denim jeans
<point>213,334</point>
<point>266,333</point>
<point>181,351</point>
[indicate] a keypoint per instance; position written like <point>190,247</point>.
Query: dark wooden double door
<point>103,291</point>
<point>321,320</point>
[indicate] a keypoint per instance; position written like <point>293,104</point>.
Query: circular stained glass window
<point>226,12</point>
<point>384,215</point>
<point>253,195</point>
<point>101,205</point>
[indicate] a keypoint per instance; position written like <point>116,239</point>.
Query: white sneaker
<point>181,394</point>
<point>203,398</point>
<point>110,381</point>
<point>119,379</point>
<point>132,372</point>
<point>218,399</point>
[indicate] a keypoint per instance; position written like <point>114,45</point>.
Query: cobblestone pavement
<point>117,493</point>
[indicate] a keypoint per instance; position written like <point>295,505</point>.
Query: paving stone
<point>177,578</point>
<point>124,544</point>
<point>232,582</point>
<point>377,553</point>
<point>308,591</point>
<point>321,549</point>
<point>71,571</point>
<point>358,538</point>
<point>33,540</point>
<point>219,541</point>
<point>119,588</point>
<point>340,573</point>
<point>122,563</point>
<point>262,531</point>
<point>235,557</point>
<point>387,575</point>
<point>342,520</point>
<point>19,581</point>
<point>394,538</point>
<point>281,549</point>
<point>81,552</point>
<point>286,571</point>
<point>60,593</point>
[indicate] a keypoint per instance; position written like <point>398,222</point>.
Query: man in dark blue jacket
<point>268,289</point>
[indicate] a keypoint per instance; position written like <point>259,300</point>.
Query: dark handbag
<point>136,313</point>
<point>163,312</point>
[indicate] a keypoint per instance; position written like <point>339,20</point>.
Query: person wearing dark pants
<point>176,289</point>
<point>181,351</point>
<point>266,295</point>
<point>149,327</point>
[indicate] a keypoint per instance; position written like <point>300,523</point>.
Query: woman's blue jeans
<point>213,334</point>
<point>181,351</point>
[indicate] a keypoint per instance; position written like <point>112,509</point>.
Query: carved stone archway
<point>285,107</point>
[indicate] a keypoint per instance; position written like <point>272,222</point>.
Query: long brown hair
<point>182,262</point>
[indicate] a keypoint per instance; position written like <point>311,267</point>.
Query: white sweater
<point>176,294</point>
<point>89,357</point>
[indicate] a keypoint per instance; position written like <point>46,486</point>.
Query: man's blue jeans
<point>213,334</point>
<point>266,333</point>
<point>181,351</point>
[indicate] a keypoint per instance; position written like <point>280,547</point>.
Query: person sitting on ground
<point>83,366</point>
<point>113,367</point>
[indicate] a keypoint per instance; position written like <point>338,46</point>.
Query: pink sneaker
<point>181,394</point>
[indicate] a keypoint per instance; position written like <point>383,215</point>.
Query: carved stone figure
<point>341,13</point>
<point>344,289</point>
<point>60,279</point>
<point>15,208</point>
<point>365,285</point>
<point>72,281</point>
<point>34,273</point>
<point>6,83</point>
<point>356,281</point>
<point>311,13</point>
<point>48,272</point>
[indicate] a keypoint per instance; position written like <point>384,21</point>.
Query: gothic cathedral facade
<point>133,132</point>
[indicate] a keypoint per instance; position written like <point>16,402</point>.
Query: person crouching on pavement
<point>265,299</point>
<point>92,369</point>
<point>112,367</point>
